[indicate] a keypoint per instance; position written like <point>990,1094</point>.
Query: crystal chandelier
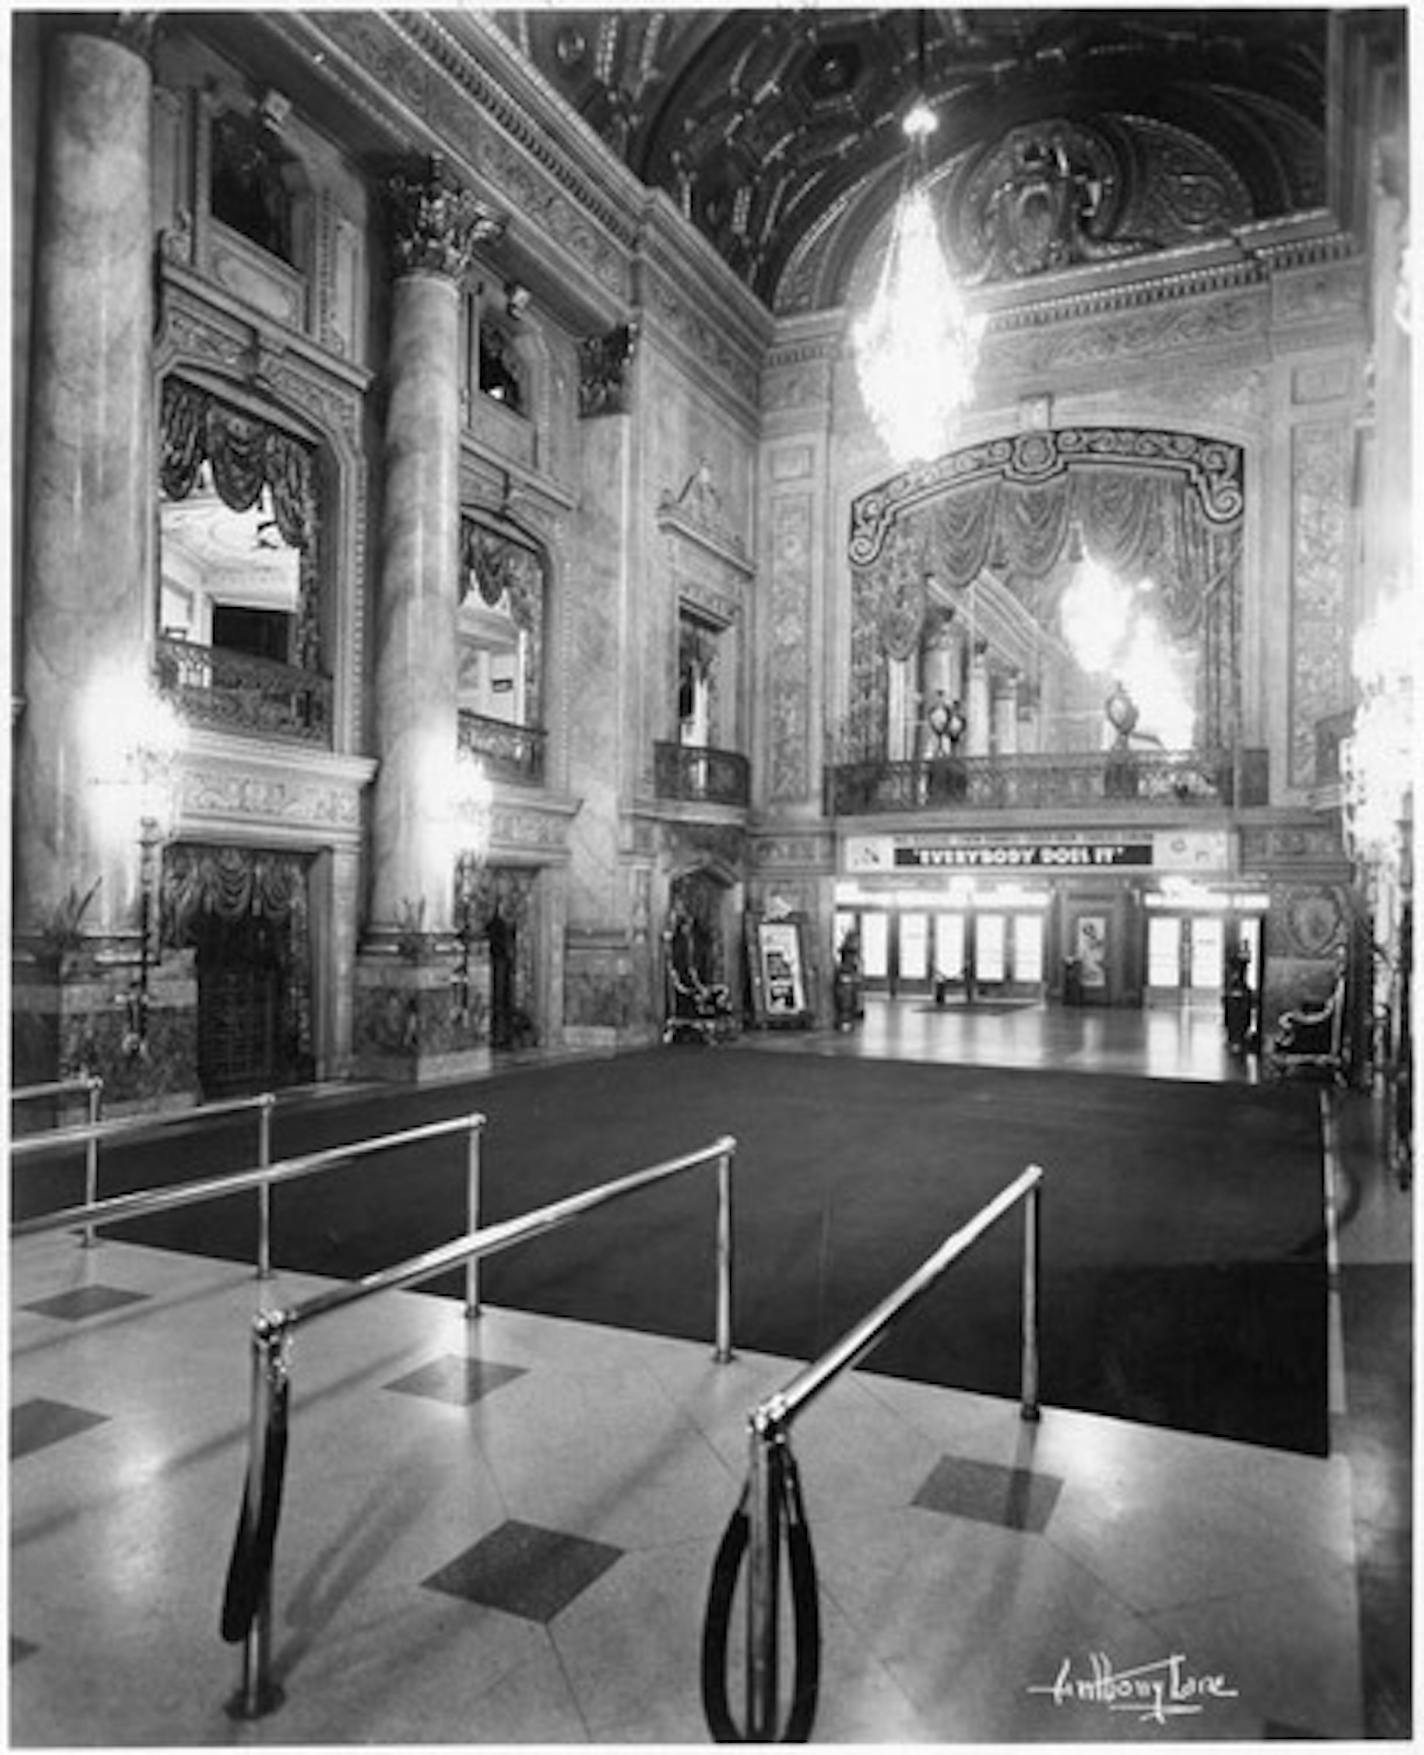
<point>916,347</point>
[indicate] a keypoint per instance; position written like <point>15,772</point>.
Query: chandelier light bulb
<point>916,347</point>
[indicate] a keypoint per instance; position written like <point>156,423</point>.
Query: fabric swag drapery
<point>247,454</point>
<point>1146,516</point>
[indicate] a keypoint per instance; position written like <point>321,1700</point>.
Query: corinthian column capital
<point>435,224</point>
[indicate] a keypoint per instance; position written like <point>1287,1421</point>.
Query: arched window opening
<point>240,635</point>
<point>501,652</point>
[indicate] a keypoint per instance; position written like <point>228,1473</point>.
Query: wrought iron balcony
<point>237,691</point>
<point>1186,777</point>
<point>701,776</point>
<point>509,752</point>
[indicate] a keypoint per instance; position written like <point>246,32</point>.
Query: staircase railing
<point>247,1598</point>
<point>771,1506</point>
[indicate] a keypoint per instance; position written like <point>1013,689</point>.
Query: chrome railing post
<point>255,1695</point>
<point>91,1158</point>
<point>264,1191</point>
<point>1028,1407</point>
<point>763,1609</point>
<point>724,1254</point>
<point>472,1208</point>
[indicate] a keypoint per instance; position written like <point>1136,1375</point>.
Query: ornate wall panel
<point>1319,661</point>
<point>787,676</point>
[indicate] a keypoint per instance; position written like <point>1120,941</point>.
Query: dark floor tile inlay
<point>37,1423</point>
<point>84,1301</point>
<point>525,1570</point>
<point>456,1379</point>
<point>1016,1499</point>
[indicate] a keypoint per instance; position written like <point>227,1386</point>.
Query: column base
<point>418,1021</point>
<point>76,1018</point>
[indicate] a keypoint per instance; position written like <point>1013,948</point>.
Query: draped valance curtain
<point>506,573</point>
<point>246,454</point>
<point>1139,522</point>
<point>229,895</point>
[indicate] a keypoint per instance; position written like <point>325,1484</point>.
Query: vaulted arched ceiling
<point>778,131</point>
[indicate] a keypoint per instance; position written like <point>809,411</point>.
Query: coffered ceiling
<point>778,131</point>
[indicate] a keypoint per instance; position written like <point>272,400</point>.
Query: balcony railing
<point>510,752</point>
<point>237,691</point>
<point>1177,778</point>
<point>701,776</point>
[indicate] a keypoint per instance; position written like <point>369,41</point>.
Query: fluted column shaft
<point>90,485</point>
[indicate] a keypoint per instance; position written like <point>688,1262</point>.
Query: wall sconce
<point>136,738</point>
<point>471,801</point>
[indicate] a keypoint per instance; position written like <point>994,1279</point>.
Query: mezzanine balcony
<point>238,691</point>
<point>1147,779</point>
<point>694,774</point>
<point>509,752</point>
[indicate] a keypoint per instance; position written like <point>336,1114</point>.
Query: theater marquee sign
<point>1172,850</point>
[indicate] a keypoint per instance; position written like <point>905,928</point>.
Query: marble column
<point>86,590</point>
<point>436,226</point>
<point>407,1024</point>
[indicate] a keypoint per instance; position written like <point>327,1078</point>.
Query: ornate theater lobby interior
<point>503,1531</point>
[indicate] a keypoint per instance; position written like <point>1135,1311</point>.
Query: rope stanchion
<point>805,1607</point>
<point>249,1572</point>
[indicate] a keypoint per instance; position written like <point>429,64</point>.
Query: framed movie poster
<point>776,957</point>
<point>1091,950</point>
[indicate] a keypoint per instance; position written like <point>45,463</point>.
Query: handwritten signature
<point>1155,1692</point>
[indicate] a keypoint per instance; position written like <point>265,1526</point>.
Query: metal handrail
<point>144,1202</point>
<point>771,1420</point>
<point>93,1086</point>
<point>272,1332</point>
<point>58,1088</point>
<point>92,1132</point>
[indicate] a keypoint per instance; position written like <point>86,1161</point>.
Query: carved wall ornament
<point>1048,196</point>
<point>436,226</point>
<point>606,371</point>
<point>698,513</point>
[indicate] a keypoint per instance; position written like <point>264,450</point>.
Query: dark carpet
<point>1183,1249</point>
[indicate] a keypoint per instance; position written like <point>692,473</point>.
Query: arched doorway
<point>244,912</point>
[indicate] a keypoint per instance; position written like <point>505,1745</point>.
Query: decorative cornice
<point>678,312</point>
<point>385,65</point>
<point>434,39</point>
